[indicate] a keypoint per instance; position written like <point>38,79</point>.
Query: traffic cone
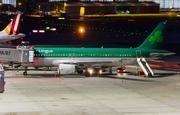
<point>98,76</point>
<point>178,73</point>
<point>55,76</point>
<point>122,80</point>
<point>44,71</point>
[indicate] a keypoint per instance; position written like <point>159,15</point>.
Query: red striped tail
<point>14,26</point>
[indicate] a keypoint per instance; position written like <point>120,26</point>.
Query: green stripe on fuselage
<point>93,52</point>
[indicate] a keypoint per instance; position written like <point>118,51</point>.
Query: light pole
<point>39,7</point>
<point>0,5</point>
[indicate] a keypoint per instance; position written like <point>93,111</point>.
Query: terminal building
<point>164,4</point>
<point>96,6</point>
<point>102,7</point>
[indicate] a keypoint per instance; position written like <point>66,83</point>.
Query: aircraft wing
<point>83,63</point>
<point>161,54</point>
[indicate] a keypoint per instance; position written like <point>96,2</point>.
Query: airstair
<point>145,67</point>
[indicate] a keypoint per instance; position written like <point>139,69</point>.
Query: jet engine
<point>66,69</point>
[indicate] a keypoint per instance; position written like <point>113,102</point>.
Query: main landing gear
<point>87,74</point>
<point>25,71</point>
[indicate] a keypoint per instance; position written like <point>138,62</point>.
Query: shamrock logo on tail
<point>157,37</point>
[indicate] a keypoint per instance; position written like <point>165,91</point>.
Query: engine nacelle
<point>66,69</point>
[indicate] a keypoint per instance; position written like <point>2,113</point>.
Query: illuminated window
<point>12,2</point>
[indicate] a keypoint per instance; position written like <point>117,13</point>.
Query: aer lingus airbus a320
<point>70,60</point>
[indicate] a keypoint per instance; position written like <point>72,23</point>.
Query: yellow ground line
<point>144,97</point>
<point>55,100</point>
<point>17,76</point>
<point>101,99</point>
<point>165,96</point>
<point>122,98</point>
<point>31,101</point>
<point>7,102</point>
<point>78,100</point>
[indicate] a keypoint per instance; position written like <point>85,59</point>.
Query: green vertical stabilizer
<point>156,38</point>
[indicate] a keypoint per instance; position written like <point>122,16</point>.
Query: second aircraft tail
<point>156,38</point>
<point>14,26</point>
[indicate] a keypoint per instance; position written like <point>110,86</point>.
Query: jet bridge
<point>22,54</point>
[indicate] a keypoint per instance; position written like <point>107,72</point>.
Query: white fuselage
<point>110,62</point>
<point>5,37</point>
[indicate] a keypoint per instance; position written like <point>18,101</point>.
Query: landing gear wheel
<point>87,74</point>
<point>24,73</point>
